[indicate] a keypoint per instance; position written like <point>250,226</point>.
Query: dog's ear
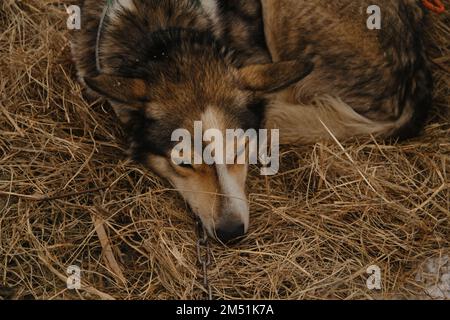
<point>273,76</point>
<point>120,89</point>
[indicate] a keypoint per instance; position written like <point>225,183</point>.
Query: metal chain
<point>204,255</point>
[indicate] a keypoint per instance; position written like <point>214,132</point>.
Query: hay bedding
<point>331,212</point>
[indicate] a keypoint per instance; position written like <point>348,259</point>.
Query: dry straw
<point>68,196</point>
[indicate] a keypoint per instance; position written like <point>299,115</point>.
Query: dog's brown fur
<point>242,63</point>
<point>377,81</point>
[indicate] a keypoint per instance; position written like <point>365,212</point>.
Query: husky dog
<point>309,68</point>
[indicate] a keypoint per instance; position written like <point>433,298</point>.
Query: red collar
<point>434,5</point>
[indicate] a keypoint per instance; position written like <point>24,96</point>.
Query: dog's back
<point>364,82</point>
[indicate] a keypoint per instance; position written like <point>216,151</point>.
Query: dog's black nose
<point>230,232</point>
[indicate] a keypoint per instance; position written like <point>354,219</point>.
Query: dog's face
<point>215,193</point>
<point>188,88</point>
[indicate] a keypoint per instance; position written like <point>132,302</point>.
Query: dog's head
<point>172,89</point>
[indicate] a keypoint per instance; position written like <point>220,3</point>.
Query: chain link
<point>204,255</point>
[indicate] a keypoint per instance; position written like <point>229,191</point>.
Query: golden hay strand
<point>315,228</point>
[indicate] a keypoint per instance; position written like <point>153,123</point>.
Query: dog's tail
<point>327,117</point>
